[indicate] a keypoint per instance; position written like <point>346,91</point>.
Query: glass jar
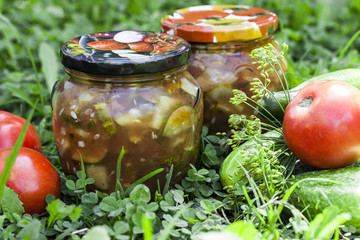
<point>222,38</point>
<point>130,90</point>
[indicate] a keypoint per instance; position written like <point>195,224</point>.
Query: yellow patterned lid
<point>220,23</point>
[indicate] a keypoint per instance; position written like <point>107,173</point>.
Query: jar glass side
<point>221,67</point>
<point>157,118</point>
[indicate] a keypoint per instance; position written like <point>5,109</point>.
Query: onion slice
<point>129,37</point>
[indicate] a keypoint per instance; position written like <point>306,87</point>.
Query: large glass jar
<point>222,38</point>
<point>130,90</point>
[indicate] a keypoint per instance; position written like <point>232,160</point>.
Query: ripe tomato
<point>177,41</point>
<point>156,49</point>
<point>10,128</point>
<point>322,124</point>
<point>162,44</point>
<point>151,39</point>
<point>32,177</point>
<point>107,45</point>
<point>168,48</point>
<point>140,46</point>
<point>75,40</point>
<point>166,36</point>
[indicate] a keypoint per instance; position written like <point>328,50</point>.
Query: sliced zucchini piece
<point>99,174</point>
<point>157,119</point>
<point>221,93</point>
<point>189,87</point>
<point>190,145</point>
<point>89,154</point>
<point>82,133</point>
<point>131,117</point>
<point>181,120</point>
<point>103,114</point>
<point>164,104</point>
<point>85,97</point>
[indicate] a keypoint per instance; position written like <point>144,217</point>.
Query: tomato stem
<point>306,102</point>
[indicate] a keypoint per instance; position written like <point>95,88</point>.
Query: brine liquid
<point>219,73</point>
<point>158,125</point>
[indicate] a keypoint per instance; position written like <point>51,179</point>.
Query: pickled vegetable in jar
<point>131,90</point>
<point>222,38</point>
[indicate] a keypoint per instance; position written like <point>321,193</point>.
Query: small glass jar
<point>222,38</point>
<point>130,90</point>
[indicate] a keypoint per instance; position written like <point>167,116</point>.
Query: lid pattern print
<point>221,23</point>
<point>125,53</point>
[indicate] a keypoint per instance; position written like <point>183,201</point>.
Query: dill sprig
<point>261,151</point>
<point>268,60</point>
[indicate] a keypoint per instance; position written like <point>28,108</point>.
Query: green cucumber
<point>270,104</point>
<point>324,188</point>
<point>179,122</point>
<point>246,156</point>
<point>104,116</point>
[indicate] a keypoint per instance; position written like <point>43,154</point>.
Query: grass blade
<point>326,223</point>
<point>49,63</point>
<point>168,180</point>
<point>83,173</point>
<point>118,187</point>
<point>143,179</point>
<point>22,95</point>
<point>147,226</point>
<point>10,160</point>
<point>348,45</point>
<point>38,81</point>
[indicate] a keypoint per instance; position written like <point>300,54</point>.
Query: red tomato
<point>75,40</point>
<point>168,48</point>
<point>177,41</point>
<point>140,46</point>
<point>322,124</point>
<point>10,128</point>
<point>32,177</point>
<point>168,36</point>
<point>107,45</point>
<point>151,39</point>
<point>156,49</point>
<point>162,44</point>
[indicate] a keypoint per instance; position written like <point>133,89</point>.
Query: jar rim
<point>125,52</point>
<point>124,79</point>
<point>220,23</point>
<point>240,44</point>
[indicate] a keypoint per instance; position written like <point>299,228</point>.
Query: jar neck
<point>127,79</point>
<point>230,46</point>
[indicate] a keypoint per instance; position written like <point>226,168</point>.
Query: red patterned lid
<point>220,23</point>
<point>125,52</point>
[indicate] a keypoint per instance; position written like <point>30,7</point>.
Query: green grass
<point>323,36</point>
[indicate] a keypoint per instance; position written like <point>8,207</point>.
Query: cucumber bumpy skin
<point>269,103</point>
<point>341,189</point>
